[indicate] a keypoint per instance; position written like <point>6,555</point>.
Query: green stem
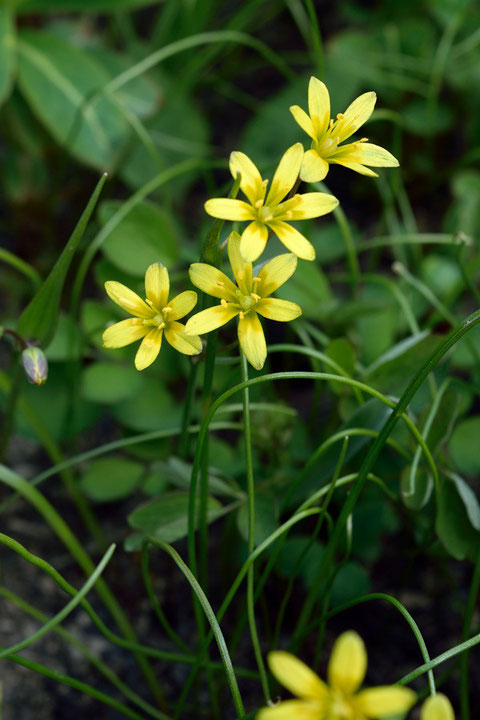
<point>447,655</point>
<point>184,439</point>
<point>214,624</point>
<point>316,38</point>
<point>9,414</point>
<point>251,530</point>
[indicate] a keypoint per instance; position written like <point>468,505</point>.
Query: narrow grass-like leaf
<point>39,319</point>
<point>7,48</point>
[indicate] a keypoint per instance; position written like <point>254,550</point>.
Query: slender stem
<point>251,530</point>
<point>9,414</point>
<point>184,439</point>
<point>316,38</point>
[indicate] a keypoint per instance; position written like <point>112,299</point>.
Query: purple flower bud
<point>35,365</point>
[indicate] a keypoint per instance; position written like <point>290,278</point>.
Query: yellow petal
<point>212,281</point>
<point>348,663</point>
<point>242,270</point>
<point>210,319</point>
<point>355,115</point>
<point>157,285</point>
<point>318,105</point>
<point>280,310</point>
<point>128,300</point>
<point>124,332</point>
<point>381,702</point>
<point>252,340</point>
<point>437,707</point>
<point>314,168</point>
<point>254,239</point>
<point>292,710</point>
<point>275,272</point>
<point>297,677</point>
<point>149,349</point>
<point>183,343</point>
<point>229,209</point>
<point>303,120</point>
<point>312,205</point>
<point>181,305</point>
<point>352,165</point>
<point>286,174</point>
<point>367,154</point>
<point>294,240</point>
<point>251,180</point>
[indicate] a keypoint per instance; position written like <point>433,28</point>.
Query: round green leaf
<point>110,479</point>
<point>105,382</point>
<point>463,446</point>
<point>150,408</point>
<point>146,235</point>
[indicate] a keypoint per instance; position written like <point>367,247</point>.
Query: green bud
<point>35,365</point>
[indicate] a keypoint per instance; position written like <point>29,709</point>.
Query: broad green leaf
<point>58,80</point>
<point>179,132</point>
<point>464,215</point>
<point>464,447</point>
<point>7,50</point>
<point>39,319</point>
<point>266,521</point>
<point>178,473</point>
<point>150,408</point>
<point>108,479</point>
<point>166,518</point>
<point>141,96</point>
<point>342,352</point>
<point>440,273</point>
<point>145,236</point>
<point>419,119</point>
<point>94,317</point>
<point>309,288</point>
<point>67,343</point>
<point>104,382</point>
<point>394,369</point>
<point>455,510</point>
<point>376,327</point>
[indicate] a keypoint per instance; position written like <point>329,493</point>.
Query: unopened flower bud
<point>35,365</point>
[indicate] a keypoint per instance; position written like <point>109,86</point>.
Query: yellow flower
<point>152,318</point>
<point>266,212</point>
<point>437,707</point>
<point>340,699</point>
<point>246,299</point>
<point>327,134</point>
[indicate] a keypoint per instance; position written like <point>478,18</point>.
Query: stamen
<point>241,315</point>
<point>258,203</point>
<point>161,326</point>
<point>363,140</point>
<point>267,219</point>
<point>166,310</point>
<point>264,183</point>
<point>149,302</point>
<point>288,215</point>
<point>340,116</point>
<point>220,283</point>
<point>255,296</point>
<point>331,122</point>
<point>223,303</point>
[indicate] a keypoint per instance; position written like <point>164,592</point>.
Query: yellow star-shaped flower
<point>248,299</point>
<point>327,134</point>
<point>271,211</point>
<point>437,707</point>
<point>152,318</point>
<point>340,698</point>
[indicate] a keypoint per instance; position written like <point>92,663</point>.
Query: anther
<point>288,215</point>
<point>161,326</point>
<point>241,315</point>
<point>340,116</point>
<point>255,296</point>
<point>258,203</point>
<point>166,310</point>
<point>363,140</point>
<point>267,219</point>
<point>220,283</point>
<point>223,302</point>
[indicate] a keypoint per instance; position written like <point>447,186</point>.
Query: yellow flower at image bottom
<point>341,698</point>
<point>437,707</point>
<point>327,134</point>
<point>271,211</point>
<point>153,318</point>
<point>246,300</point>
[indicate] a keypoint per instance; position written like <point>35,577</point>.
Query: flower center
<point>247,302</point>
<point>264,213</point>
<point>340,708</point>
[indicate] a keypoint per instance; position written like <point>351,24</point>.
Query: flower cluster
<point>267,209</point>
